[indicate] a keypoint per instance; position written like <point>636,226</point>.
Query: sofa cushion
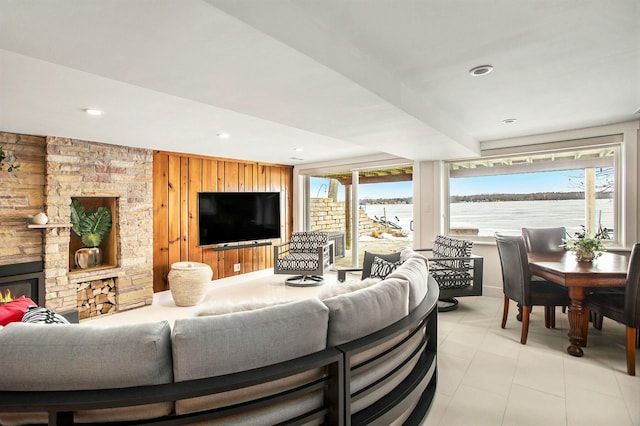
<point>346,287</point>
<point>408,253</point>
<point>415,271</point>
<point>14,310</point>
<point>356,314</point>
<point>217,345</point>
<point>251,339</point>
<point>86,356</point>
<point>141,352</point>
<point>221,307</point>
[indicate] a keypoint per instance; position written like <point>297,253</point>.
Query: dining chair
<point>623,307</point>
<point>517,285</point>
<point>544,240</point>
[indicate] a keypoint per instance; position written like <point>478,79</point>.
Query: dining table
<point>606,271</point>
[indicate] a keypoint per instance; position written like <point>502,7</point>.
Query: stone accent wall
<point>21,196</point>
<point>77,168</point>
<point>327,215</point>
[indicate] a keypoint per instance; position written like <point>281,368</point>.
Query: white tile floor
<point>485,376</point>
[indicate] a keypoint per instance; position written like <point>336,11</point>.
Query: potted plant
<point>585,245</point>
<point>91,226</point>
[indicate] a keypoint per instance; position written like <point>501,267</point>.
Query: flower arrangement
<point>585,245</point>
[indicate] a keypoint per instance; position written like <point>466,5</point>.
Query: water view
<point>400,214</point>
<point>511,216</point>
<point>503,216</point>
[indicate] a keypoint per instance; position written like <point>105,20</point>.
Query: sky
<point>559,181</point>
<point>372,190</point>
<point>562,181</point>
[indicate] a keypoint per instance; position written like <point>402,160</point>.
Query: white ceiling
<point>338,78</point>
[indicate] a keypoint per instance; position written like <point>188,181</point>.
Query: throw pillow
<point>37,315</point>
<point>14,310</point>
<point>380,268</point>
<point>369,258</point>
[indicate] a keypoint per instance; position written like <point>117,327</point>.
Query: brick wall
<point>21,196</point>
<point>77,168</point>
<point>52,170</point>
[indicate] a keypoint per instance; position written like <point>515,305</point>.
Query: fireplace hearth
<point>22,279</point>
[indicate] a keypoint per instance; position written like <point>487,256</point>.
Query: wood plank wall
<point>177,179</point>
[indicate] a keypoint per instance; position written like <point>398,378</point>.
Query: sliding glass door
<point>363,210</point>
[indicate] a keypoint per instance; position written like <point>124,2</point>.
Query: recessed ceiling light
<point>509,120</point>
<point>224,135</point>
<point>298,149</point>
<point>92,111</point>
<point>296,158</point>
<point>480,70</point>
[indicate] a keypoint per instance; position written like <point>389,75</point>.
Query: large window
<point>571,188</point>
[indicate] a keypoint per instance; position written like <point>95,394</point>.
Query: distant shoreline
<point>485,198</point>
<point>537,196</point>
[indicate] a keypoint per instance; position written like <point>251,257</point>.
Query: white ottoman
<point>188,282</point>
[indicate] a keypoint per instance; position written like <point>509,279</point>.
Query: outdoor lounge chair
<point>307,256</point>
<point>457,271</point>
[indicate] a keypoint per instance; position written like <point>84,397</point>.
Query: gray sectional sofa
<point>366,356</point>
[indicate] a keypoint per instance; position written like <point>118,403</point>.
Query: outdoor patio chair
<point>457,271</point>
<point>307,256</point>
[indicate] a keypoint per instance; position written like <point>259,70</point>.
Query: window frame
<point>610,141</point>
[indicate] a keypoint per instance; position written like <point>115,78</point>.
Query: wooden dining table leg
<point>585,327</point>
<point>576,315</point>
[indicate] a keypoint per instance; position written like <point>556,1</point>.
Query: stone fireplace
<point>22,279</point>
<point>123,177</point>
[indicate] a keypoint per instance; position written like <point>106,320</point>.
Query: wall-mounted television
<point>228,217</point>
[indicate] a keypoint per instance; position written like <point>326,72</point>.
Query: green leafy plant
<point>8,161</point>
<point>91,225</point>
<point>586,245</point>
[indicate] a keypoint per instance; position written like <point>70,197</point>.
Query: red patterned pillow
<point>14,310</point>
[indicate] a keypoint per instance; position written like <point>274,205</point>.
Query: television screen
<point>226,217</point>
